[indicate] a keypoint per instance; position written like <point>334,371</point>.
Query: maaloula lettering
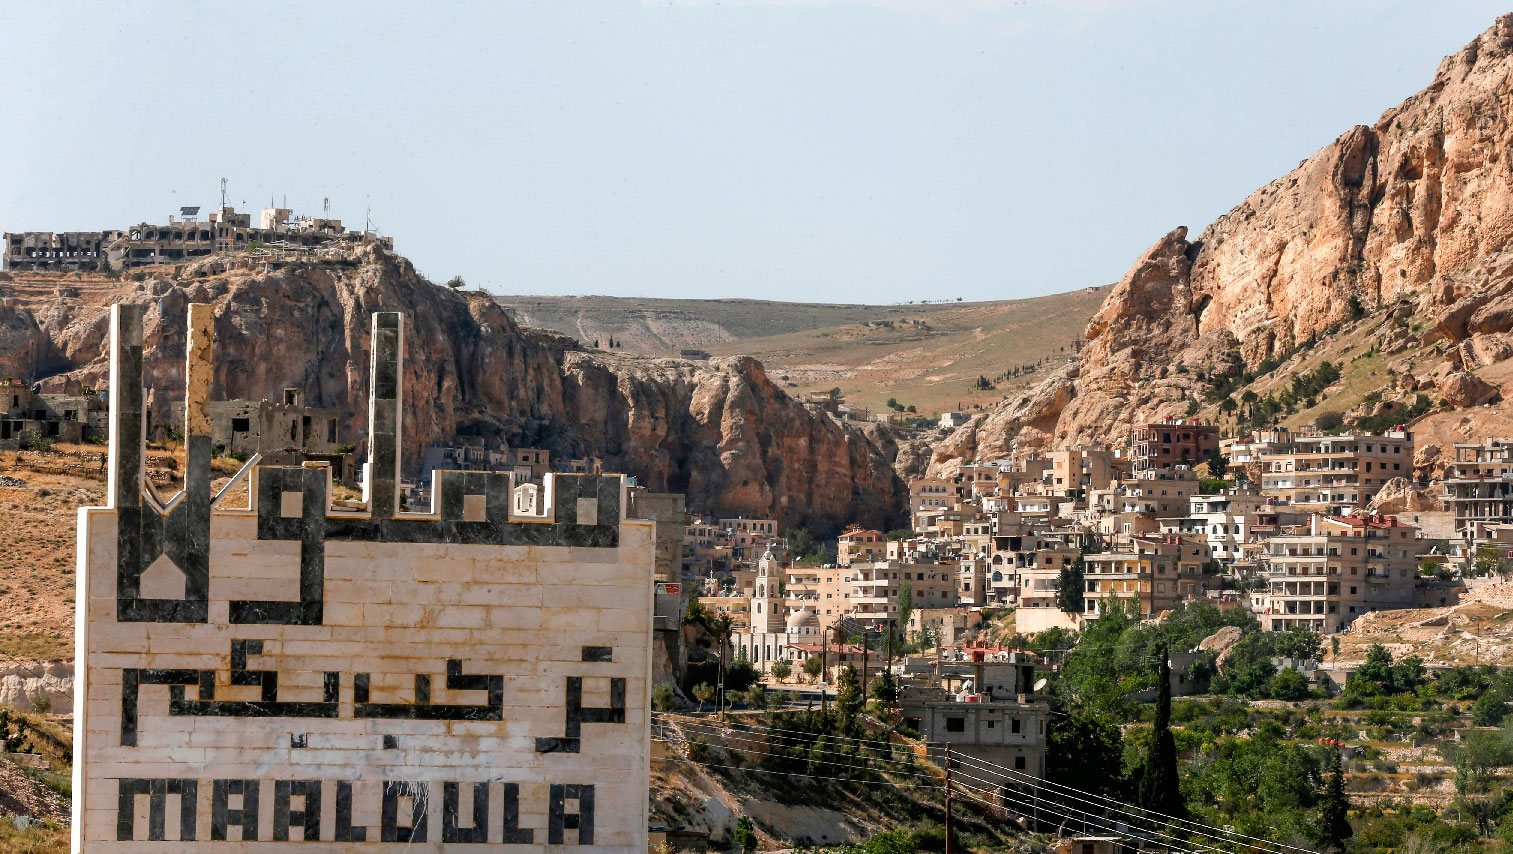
<point>263,667</point>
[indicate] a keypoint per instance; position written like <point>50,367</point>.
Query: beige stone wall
<point>391,610</point>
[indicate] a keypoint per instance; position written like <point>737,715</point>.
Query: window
<point>1019,763</point>
<point>240,425</point>
<point>1014,725</point>
<point>956,724</point>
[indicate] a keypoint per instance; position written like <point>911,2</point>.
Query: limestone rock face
<point>720,432</point>
<point>1386,213</point>
<point>1011,428</point>
<point>23,344</point>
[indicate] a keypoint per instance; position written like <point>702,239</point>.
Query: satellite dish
<point>1040,684</point>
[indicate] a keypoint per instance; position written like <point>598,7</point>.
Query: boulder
<point>1221,643</point>
<point>1463,388</point>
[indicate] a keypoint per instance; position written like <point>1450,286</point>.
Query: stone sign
<point>297,674</point>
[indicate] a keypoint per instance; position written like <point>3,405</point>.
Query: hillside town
<point>776,461</point>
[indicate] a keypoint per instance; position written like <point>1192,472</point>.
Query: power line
<point>851,764</point>
<point>1121,812</point>
<point>1210,831</point>
<point>794,773</point>
<point>1051,808</point>
<point>989,766</point>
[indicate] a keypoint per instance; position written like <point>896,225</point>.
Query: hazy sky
<point>836,151</point>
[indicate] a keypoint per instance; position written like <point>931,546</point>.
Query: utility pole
<point>824,669</point>
<point>720,676</point>
<point>888,669</point>
<point>950,825</point>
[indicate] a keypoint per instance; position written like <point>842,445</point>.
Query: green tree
<point>1490,709</point>
<point>1160,786</point>
<point>1374,676</point>
<point>1086,751</point>
<point>1334,818</point>
<point>1218,464</point>
<point>781,670</point>
<point>1289,685</point>
<point>1070,587</point>
<point>848,697</point>
<point>884,689</point>
<point>745,834</point>
<point>456,283</point>
<point>812,666</point>
<point>703,692</point>
<point>801,543</point>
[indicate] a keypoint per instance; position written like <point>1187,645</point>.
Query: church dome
<point>803,621</point>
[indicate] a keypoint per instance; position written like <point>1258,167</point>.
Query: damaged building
<point>284,431</point>
<point>178,241</point>
<point>68,418</point>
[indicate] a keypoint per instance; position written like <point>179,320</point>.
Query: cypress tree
<point>1160,786</point>
<point>1333,818</point>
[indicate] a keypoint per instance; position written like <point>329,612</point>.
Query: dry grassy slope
<point>660,327</point>
<point>1369,373</point>
<point>870,351</point>
<point>931,366</point>
<point>37,551</point>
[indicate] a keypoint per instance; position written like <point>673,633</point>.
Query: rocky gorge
<point>721,432</point>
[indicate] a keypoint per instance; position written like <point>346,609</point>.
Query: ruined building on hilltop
<point>143,244</point>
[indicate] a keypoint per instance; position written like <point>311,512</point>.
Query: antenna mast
<point>223,193</point>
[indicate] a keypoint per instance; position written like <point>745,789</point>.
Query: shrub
<point>663,699</point>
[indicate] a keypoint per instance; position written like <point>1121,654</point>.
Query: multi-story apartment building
<point>858,544</point>
<point>972,581</point>
<point>1479,487</point>
<point>1250,449</point>
<point>821,589</point>
<point>1163,494</point>
<point>1341,568</point>
<point>927,494</point>
<point>873,589</point>
<point>1325,472</point>
<point>1039,585</point>
<point>1154,573</point>
<point>1225,519</point>
<point>1074,471</point>
<point>1172,442</point>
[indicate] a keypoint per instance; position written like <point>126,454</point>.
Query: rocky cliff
<point>720,432</point>
<point>1387,212</point>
